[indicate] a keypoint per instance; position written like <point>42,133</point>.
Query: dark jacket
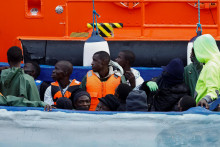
<point>171,88</point>
<point>165,99</point>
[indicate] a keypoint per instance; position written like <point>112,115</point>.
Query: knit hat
<point>79,94</point>
<point>175,68</point>
<point>136,101</point>
<point>110,101</point>
<point>64,103</point>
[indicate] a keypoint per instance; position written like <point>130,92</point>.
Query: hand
<point>203,103</point>
<point>49,108</point>
<point>131,78</point>
<point>152,86</point>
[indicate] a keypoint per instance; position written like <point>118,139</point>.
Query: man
<point>108,103</point>
<point>101,80</point>
<point>14,81</point>
<point>33,69</point>
<point>81,100</point>
<point>208,84</point>
<point>121,92</point>
<point>136,101</point>
<point>164,93</point>
<point>185,103</point>
<point>192,71</point>
<point>125,59</point>
<point>63,87</point>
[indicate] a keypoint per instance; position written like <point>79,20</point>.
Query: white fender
<point>94,44</point>
<point>189,51</point>
<point>190,46</point>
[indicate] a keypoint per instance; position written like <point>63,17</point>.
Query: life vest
<point>56,92</point>
<point>98,89</point>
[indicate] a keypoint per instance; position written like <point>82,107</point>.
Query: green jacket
<point>19,102</point>
<point>191,75</point>
<point>207,52</point>
<point>14,81</point>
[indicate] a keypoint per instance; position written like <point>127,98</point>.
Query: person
<point>33,69</point>
<point>186,102</point>
<point>192,71</point>
<point>166,90</point>
<point>14,81</point>
<point>62,87</point>
<point>102,79</point>
<point>108,103</point>
<point>125,59</point>
<point>137,101</point>
<point>81,100</point>
<point>64,103</point>
<point>121,92</point>
<point>208,84</point>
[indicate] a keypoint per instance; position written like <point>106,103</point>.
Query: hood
<point>205,48</point>
<point>136,101</point>
<point>118,70</point>
<point>8,75</point>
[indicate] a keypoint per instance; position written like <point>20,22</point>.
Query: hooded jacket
<point>171,87</point>
<point>15,82</point>
<point>207,52</point>
<point>136,101</point>
<point>191,74</point>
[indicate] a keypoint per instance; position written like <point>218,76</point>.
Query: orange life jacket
<point>98,89</point>
<point>56,92</point>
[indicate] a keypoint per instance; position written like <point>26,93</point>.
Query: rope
<point>198,24</point>
<point>95,19</point>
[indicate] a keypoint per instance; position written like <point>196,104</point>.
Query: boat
<point>156,30</point>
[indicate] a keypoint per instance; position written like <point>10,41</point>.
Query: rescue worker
<point>208,84</point>
<point>125,59</point>
<point>102,79</point>
<point>63,87</point>
<point>14,81</point>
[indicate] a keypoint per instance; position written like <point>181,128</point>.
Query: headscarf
<point>172,74</point>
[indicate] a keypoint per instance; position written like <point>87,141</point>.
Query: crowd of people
<point>115,85</point>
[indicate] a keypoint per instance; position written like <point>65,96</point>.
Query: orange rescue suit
<point>98,89</point>
<point>56,92</point>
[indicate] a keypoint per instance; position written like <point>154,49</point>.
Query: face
<point>121,59</point>
<point>97,64</point>
<point>58,72</point>
<point>29,69</point>
<point>101,107</point>
<point>82,103</point>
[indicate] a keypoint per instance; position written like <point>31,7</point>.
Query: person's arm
<point>83,83</point>
<point>131,78</point>
<point>212,80</point>
<point>48,97</point>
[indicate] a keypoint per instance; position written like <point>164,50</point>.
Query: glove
<point>152,86</point>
